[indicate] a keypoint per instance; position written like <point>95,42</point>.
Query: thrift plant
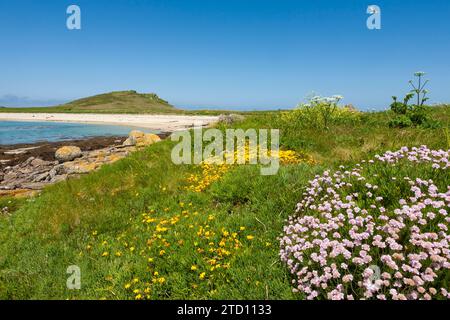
<point>376,231</point>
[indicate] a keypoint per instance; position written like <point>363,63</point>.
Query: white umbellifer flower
<point>419,73</point>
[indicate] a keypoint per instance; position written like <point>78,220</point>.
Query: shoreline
<point>163,123</point>
<point>13,154</point>
<point>26,169</point>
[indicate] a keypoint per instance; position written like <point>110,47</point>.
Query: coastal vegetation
<point>415,114</point>
<point>116,102</point>
<point>145,228</point>
<point>112,102</point>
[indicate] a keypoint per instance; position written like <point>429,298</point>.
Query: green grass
<point>47,234</point>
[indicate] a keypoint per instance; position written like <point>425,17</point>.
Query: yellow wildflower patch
<point>214,168</point>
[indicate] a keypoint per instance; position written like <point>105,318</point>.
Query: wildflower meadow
<point>343,218</point>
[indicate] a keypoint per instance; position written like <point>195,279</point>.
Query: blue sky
<point>233,53</point>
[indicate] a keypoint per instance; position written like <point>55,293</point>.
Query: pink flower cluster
<point>438,158</point>
<point>347,240</point>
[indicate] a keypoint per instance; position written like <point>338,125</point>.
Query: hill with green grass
<point>112,102</point>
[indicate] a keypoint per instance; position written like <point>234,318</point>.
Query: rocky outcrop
<point>34,174</point>
<point>67,153</point>
<point>141,139</point>
<point>230,118</point>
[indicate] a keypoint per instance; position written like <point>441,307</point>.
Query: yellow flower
<point>135,280</point>
<point>105,254</point>
<point>138,297</point>
<point>150,260</point>
<point>136,291</point>
<point>212,262</point>
<point>118,254</point>
<point>202,275</point>
<point>194,267</point>
<point>242,228</point>
<point>162,252</point>
<point>250,237</point>
<point>161,280</point>
<point>127,286</point>
<point>156,273</point>
<point>94,233</point>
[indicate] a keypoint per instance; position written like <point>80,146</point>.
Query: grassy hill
<point>113,102</point>
<point>137,230</point>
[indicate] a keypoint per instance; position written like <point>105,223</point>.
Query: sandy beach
<point>166,123</point>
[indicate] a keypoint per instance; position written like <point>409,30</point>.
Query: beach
<point>28,167</point>
<point>164,123</point>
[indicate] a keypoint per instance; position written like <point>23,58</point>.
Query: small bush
<point>401,121</point>
<point>321,113</point>
<point>408,115</point>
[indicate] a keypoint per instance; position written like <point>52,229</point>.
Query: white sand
<point>156,122</point>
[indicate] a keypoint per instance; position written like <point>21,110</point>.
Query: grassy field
<point>138,231</point>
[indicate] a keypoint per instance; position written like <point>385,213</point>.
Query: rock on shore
<point>67,153</point>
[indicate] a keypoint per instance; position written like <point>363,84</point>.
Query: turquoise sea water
<point>15,132</point>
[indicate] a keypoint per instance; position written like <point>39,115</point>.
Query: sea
<point>21,132</point>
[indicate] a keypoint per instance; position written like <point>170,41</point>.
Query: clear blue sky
<point>252,53</point>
